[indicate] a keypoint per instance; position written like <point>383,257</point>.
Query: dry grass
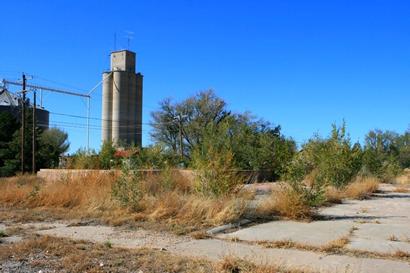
<point>199,235</point>
<point>89,196</point>
<point>402,189</point>
<point>287,203</point>
<point>333,247</point>
<point>230,264</point>
<point>394,238</point>
<point>62,255</point>
<point>192,210</point>
<point>91,192</point>
<point>172,203</point>
<point>402,254</point>
<point>290,204</point>
<point>336,247</point>
<point>334,195</point>
<point>360,188</point>
<point>403,179</point>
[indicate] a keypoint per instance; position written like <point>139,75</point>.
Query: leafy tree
<point>14,147</point>
<point>8,126</point>
<point>384,151</point>
<point>188,118</point>
<point>403,146</point>
<point>51,145</point>
<point>255,144</point>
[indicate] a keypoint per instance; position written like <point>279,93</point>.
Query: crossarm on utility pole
<point>45,88</point>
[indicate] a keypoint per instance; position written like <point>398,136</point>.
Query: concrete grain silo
<point>122,101</point>
<point>107,106</point>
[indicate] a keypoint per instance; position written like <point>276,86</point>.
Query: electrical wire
<point>100,119</point>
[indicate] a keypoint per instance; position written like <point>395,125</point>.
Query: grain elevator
<point>122,101</point>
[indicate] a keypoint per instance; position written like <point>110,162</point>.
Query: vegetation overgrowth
<point>167,198</point>
<point>197,131</point>
<point>200,133</point>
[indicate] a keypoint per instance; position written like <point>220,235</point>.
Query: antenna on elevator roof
<point>115,41</point>
<point>129,35</point>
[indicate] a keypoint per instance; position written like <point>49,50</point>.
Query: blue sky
<point>300,64</point>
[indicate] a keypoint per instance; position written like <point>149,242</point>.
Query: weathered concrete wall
<point>51,175</point>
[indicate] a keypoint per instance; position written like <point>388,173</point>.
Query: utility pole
<point>55,90</point>
<point>181,142</point>
<point>33,162</point>
<point>23,122</point>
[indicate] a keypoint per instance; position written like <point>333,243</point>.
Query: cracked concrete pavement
<point>381,225</point>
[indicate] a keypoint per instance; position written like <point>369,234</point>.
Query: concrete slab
<point>288,258</point>
<point>377,221</point>
<point>380,246</point>
<point>11,239</point>
<point>215,249</point>
<point>382,238</point>
<point>388,231</point>
<point>119,238</point>
<point>315,233</point>
<point>42,225</point>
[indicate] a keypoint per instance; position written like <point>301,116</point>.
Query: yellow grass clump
<point>89,192</point>
<point>285,202</point>
<point>402,188</point>
<point>169,199</point>
<point>360,188</point>
<point>231,264</point>
<point>403,179</point>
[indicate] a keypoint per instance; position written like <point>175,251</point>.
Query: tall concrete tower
<point>122,101</point>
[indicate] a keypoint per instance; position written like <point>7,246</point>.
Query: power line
<point>93,125</point>
<point>152,124</point>
<point>100,119</point>
<point>79,127</point>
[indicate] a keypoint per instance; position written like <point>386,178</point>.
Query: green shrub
<point>332,161</point>
<point>84,160</point>
<point>127,188</point>
<point>153,157</point>
<point>3,234</point>
<point>106,156</point>
<point>213,161</point>
<point>167,179</point>
<point>311,195</point>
